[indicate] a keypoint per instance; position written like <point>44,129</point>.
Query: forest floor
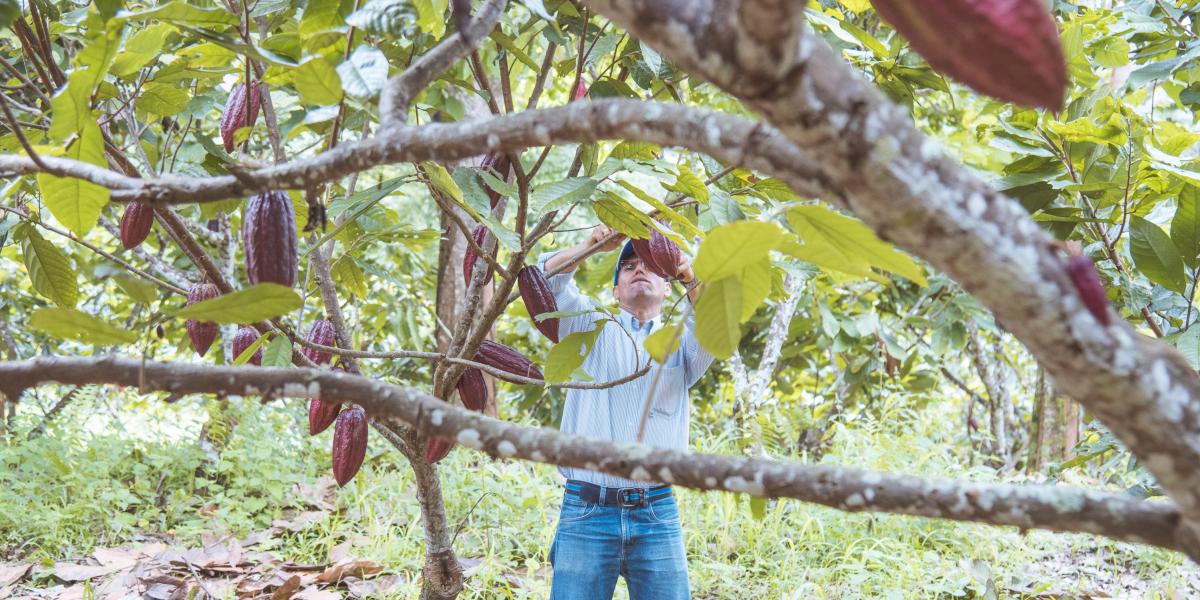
<point>123,503</point>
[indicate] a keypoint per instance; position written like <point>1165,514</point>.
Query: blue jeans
<point>594,544</point>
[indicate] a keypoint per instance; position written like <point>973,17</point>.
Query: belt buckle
<point>631,497</point>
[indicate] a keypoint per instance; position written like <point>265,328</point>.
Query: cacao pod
<point>202,333</point>
<point>269,235</point>
<point>535,291</point>
<point>469,257</point>
<point>659,254</point>
<point>349,444</point>
<point>235,115</point>
<point>136,222</point>
<point>507,360</point>
<point>472,389</point>
<point>321,414</point>
<point>246,336</point>
<point>581,91</point>
<point>1007,49</point>
<point>321,333</point>
<point>502,166</point>
<point>436,449</point>
<point>1087,283</point>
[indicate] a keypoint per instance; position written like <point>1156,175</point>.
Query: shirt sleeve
<point>696,359</point>
<point>568,298</point>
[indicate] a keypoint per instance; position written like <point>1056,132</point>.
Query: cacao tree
<point>801,155</point>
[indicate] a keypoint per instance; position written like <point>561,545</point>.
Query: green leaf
<point>364,73</point>
<point>663,342</point>
<point>559,193</point>
<point>729,248</point>
<point>758,508</point>
<point>1188,344</point>
<point>1155,255</point>
<point>70,324</point>
<point>1185,226</point>
<point>278,353</point>
<point>180,11</point>
<point>852,241</point>
<point>74,202</point>
<point>244,357</point>
<point>163,99</point>
<point>431,16</point>
<point>257,303</point>
<point>756,285</point>
<point>718,316</point>
<point>506,42</point>
<point>441,181</point>
<point>676,220</point>
<point>71,108</point>
<point>138,289</point>
<point>689,184</point>
<point>140,49</point>
<point>618,213</point>
<point>49,269</point>
<point>318,82</point>
<point>568,354</point>
<point>350,276</point>
<point>320,16</point>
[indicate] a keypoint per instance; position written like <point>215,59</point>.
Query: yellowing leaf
<point>842,239</point>
<point>729,248</point>
<point>718,313</point>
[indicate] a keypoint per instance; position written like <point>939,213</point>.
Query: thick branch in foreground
<point>728,138</point>
<point>1044,507</point>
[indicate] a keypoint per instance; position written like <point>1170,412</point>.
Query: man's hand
<point>683,270</point>
<point>600,232</point>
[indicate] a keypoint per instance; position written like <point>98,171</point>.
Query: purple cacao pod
<point>136,222</point>
<point>235,115</point>
<point>472,389</point>
<point>349,444</point>
<point>506,360</point>
<point>535,291</point>
<point>321,333</point>
<point>1087,283</point>
<point>202,333</point>
<point>269,237</point>
<point>245,337</point>
<point>469,257</point>
<point>659,254</point>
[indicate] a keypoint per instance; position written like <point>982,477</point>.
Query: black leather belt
<point>628,497</point>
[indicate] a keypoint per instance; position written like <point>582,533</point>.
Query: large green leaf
<point>364,73</point>
<point>663,342</point>
<point>140,49</point>
<point>257,303</point>
<point>278,353</point>
<point>183,12</point>
<point>559,193</point>
<point>71,324</point>
<point>431,16</point>
<point>71,108</point>
<point>677,221</point>
<point>318,82</point>
<point>690,185</point>
<point>718,316</point>
<point>618,213</point>
<point>850,240</point>
<point>568,354</point>
<point>730,248</point>
<point>756,285</point>
<point>74,202</point>
<point>49,269</point>
<point>1155,255</point>
<point>1185,226</point>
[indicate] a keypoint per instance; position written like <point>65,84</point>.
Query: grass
<point>106,477</point>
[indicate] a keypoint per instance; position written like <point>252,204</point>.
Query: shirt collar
<point>632,322</point>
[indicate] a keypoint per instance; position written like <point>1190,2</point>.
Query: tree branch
<point>1056,508</point>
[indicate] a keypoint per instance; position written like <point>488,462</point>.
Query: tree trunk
<point>998,400</point>
<point>1072,421</point>
<point>1041,398</point>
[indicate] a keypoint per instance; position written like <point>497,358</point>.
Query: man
<point>609,525</point>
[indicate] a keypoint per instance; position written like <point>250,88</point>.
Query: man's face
<point>636,284</point>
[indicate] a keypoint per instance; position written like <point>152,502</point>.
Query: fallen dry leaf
<point>301,521</point>
<point>287,590</point>
<point>313,593</point>
<point>74,572</point>
<point>350,568</point>
<point>10,574</point>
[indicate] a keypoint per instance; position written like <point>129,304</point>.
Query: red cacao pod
<point>246,336</point>
<point>503,167</point>
<point>1087,283</point>
<point>1007,49</point>
<point>269,236</point>
<point>321,333</point>
<point>659,254</point>
<point>321,414</point>
<point>472,389</point>
<point>535,291</point>
<point>581,91</point>
<point>202,333</point>
<point>507,360</point>
<point>235,115</point>
<point>349,444</point>
<point>436,449</point>
<point>136,222</point>
<point>469,257</point>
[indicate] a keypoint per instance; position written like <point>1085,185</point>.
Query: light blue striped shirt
<point>614,413</point>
